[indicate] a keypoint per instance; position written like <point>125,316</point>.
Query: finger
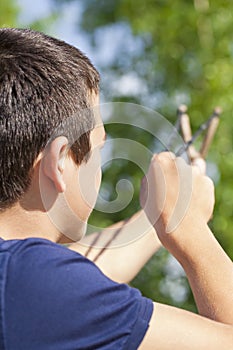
<point>163,155</point>
<point>200,164</point>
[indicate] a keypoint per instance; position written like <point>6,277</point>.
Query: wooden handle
<point>210,133</point>
<point>186,131</point>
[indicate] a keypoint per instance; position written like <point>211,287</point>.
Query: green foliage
<point>8,13</point>
<point>45,24</point>
<point>186,56</point>
<point>187,52</point>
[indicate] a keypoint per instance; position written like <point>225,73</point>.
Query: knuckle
<point>165,157</point>
<point>209,182</point>
<point>160,157</point>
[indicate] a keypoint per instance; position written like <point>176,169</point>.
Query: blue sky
<point>65,27</point>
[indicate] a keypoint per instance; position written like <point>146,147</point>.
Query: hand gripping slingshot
<point>182,124</point>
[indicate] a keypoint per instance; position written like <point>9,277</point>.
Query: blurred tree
<point>8,13</point>
<point>171,52</point>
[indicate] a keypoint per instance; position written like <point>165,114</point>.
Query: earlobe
<point>53,162</point>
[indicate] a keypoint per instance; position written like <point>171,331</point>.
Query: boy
<point>52,297</point>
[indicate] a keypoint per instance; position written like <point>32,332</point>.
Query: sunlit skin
<point>56,173</point>
<point>56,176</point>
<point>209,270</point>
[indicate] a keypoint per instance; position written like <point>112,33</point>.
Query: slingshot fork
<point>210,126</point>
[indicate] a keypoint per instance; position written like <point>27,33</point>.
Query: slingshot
<point>210,126</point>
<point>182,124</point>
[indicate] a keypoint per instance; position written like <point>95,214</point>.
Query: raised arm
<point>209,270</point>
<point>132,243</point>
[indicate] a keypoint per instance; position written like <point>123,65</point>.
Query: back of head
<point>43,81</point>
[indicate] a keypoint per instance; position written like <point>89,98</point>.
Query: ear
<point>54,162</point>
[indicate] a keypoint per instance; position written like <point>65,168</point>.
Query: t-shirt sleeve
<point>57,299</point>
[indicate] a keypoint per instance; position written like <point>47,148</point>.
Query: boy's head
<point>43,81</point>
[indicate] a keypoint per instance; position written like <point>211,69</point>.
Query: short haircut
<point>43,81</point>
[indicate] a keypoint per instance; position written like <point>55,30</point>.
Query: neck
<point>18,223</point>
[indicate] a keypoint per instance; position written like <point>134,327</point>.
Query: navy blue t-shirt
<point>52,298</point>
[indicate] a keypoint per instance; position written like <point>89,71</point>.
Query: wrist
<point>187,239</point>
<point>191,243</point>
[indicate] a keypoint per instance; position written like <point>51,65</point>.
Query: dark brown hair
<point>43,81</point>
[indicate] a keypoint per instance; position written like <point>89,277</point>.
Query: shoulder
<point>34,259</point>
<point>37,251</point>
<point>59,291</point>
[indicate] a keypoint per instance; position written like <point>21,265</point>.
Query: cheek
<point>89,179</point>
<point>98,179</point>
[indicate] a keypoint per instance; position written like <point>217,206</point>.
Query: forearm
<point>210,273</point>
<point>134,244</point>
